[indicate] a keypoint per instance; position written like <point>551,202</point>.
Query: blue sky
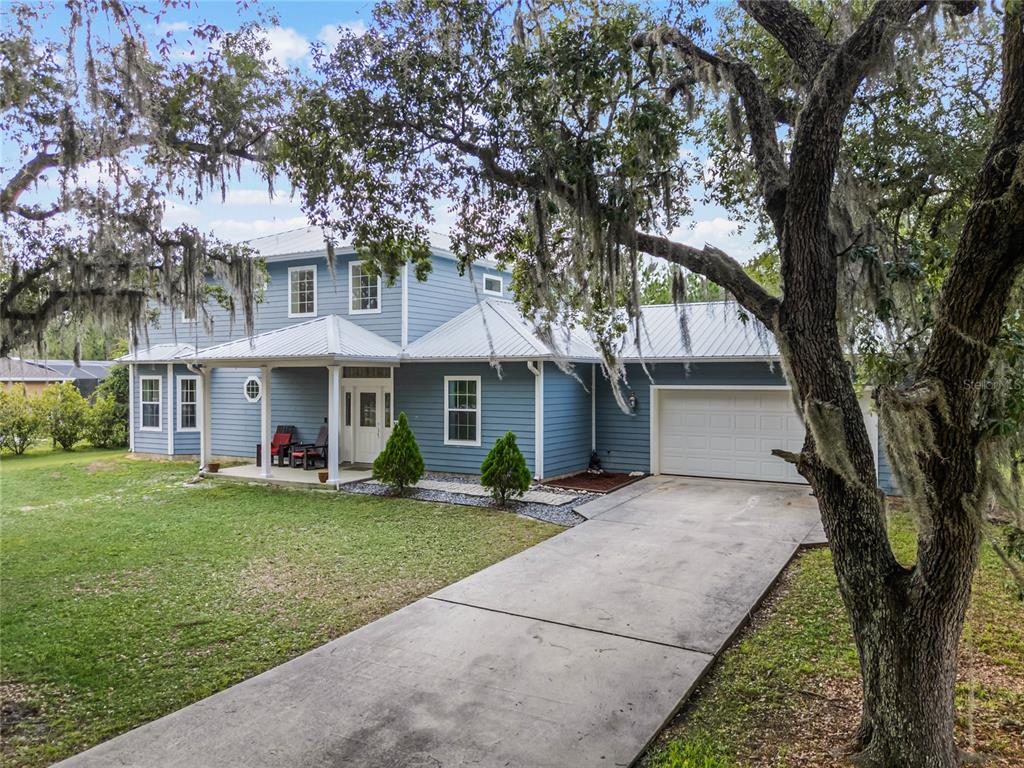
<point>248,212</point>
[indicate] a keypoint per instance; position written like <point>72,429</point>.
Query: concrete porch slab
<point>434,684</point>
<point>288,476</point>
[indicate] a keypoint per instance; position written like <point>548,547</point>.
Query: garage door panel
<point>728,434</point>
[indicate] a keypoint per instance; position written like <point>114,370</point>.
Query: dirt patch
<point>107,584</point>
<point>282,577</point>
<point>102,466</point>
<point>603,483</point>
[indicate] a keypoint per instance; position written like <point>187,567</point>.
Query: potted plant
<point>323,475</point>
<point>213,466</point>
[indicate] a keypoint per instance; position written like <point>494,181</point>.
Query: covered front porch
<point>330,380</point>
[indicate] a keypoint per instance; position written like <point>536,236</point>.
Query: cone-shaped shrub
<point>400,463</point>
<point>504,470</point>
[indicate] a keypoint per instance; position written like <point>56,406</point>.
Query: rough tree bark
<point>906,621</point>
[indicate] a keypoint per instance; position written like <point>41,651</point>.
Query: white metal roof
<point>159,353</point>
<point>314,240</point>
<point>329,336</point>
<point>495,329</point>
<point>716,331</point>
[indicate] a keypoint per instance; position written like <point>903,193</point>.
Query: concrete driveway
<point>573,653</point>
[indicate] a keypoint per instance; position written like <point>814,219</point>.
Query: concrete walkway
<point>573,653</point>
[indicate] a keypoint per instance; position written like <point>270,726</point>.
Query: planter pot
<point>213,466</point>
<point>323,476</point>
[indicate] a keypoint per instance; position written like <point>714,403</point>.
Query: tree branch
<point>760,112</point>
<point>805,45</point>
<point>715,265</point>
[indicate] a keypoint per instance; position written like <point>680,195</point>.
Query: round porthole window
<point>252,389</point>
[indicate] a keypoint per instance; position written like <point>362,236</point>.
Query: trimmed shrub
<point>20,423</point>
<point>64,412</point>
<point>400,463</point>
<point>504,470</point>
<point>104,425</point>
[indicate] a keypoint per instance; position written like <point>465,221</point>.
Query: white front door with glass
<point>368,418</point>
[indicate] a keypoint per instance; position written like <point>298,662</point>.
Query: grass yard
<point>786,694</point>
<point>127,594</point>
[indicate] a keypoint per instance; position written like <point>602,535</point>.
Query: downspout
<point>538,416</point>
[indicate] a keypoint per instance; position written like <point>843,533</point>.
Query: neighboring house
<point>348,351</point>
<point>16,372</point>
<point>86,375</point>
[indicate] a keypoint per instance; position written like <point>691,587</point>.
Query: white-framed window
<point>462,410</point>
<point>188,404</point>
<point>302,291</point>
<point>363,290</point>
<point>150,397</point>
<point>252,389</point>
<point>494,285</point>
<point>188,315</point>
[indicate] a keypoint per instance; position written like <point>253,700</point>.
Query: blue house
<point>342,349</point>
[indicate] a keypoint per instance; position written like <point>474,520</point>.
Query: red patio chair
<point>309,454</point>
<point>281,445</point>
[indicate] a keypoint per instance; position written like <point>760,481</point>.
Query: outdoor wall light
<point>632,401</point>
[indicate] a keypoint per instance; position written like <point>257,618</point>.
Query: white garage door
<point>728,433</point>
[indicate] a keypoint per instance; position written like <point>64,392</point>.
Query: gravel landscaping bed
<point>559,515</point>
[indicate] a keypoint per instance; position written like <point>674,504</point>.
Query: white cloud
<point>235,230</point>
<point>173,26</point>
<point>717,231</point>
<point>330,34</point>
<point>176,213</point>
<point>286,45</point>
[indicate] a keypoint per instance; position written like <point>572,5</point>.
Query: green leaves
<point>400,464</point>
<point>504,470</point>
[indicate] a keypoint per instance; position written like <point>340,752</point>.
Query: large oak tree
<point>560,132</point>
<point>102,124</point>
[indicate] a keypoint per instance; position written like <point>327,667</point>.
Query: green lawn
<point>127,594</point>
<point>787,693</point>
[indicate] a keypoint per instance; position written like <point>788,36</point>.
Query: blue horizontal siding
<point>272,312</point>
<point>506,406</point>
<point>624,440</point>
<point>567,420</point>
<point>445,293</point>
<point>298,396</point>
<point>886,479</point>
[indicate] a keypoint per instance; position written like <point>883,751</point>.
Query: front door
<point>372,425</point>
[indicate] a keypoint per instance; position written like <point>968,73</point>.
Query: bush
<point>64,412</point>
<point>400,463</point>
<point>104,425</point>
<point>20,423</point>
<point>504,470</point>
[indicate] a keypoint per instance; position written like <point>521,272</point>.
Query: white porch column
<point>205,448</point>
<point>266,428</point>
<point>170,409</point>
<point>333,421</point>
<point>131,407</point>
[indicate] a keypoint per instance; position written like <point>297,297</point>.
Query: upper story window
<point>188,314</point>
<point>462,410</point>
<point>150,398</point>
<point>302,292</point>
<point>494,285</point>
<point>364,290</point>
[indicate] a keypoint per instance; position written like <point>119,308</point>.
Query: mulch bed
<point>603,483</point>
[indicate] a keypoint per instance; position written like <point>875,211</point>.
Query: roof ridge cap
<point>528,335</point>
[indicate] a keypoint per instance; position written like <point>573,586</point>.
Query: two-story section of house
<point>341,348</point>
<point>338,349</point>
